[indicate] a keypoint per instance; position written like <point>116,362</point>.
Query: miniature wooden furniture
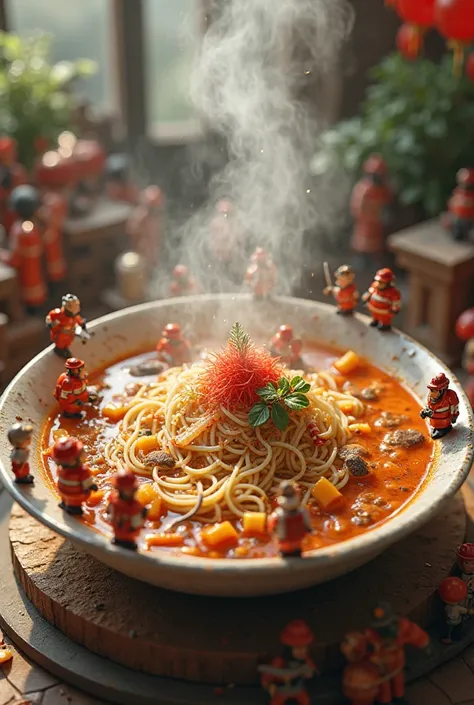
<point>441,278</point>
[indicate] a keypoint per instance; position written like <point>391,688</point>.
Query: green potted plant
<point>419,116</point>
<point>36,99</point>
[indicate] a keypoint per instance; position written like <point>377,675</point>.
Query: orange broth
<point>396,474</point>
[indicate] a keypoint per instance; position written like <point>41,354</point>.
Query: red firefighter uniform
<point>124,512</point>
<point>360,679</point>
<point>383,299</point>
<point>12,175</point>
<point>442,406</point>
<point>71,390</point>
<point>144,226</point>
<point>287,675</point>
<point>182,282</point>
<point>223,232</point>
<point>63,323</point>
<point>465,556</point>
<point>173,347</point>
<point>261,274</point>
<point>74,478</point>
<point>19,436</point>
<point>460,218</point>
<point>289,522</point>
<point>25,255</point>
<point>344,291</point>
<point>286,347</point>
<point>54,214</point>
<point>369,203</point>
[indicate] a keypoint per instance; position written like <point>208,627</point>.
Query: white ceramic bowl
<point>138,328</point>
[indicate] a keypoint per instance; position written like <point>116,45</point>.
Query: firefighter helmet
<point>465,177</point>
<point>74,363</point>
<point>439,382</point>
<point>296,633</point>
<point>67,449</point>
<point>69,299</point>
<point>20,432</point>
<point>465,552</point>
<point>385,275</point>
<point>344,269</point>
<point>171,330</point>
<point>452,590</point>
<point>25,201</point>
<point>286,333</point>
<point>375,164</point>
<point>125,480</point>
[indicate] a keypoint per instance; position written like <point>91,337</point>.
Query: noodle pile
<point>238,467</point>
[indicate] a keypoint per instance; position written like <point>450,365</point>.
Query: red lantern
<point>417,12</point>
<point>409,41</point>
<point>455,21</point>
<point>470,67</point>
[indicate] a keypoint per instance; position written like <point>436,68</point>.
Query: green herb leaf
<point>296,401</point>
<point>259,414</point>
<point>268,393</point>
<point>283,386</point>
<point>298,384</point>
<point>239,338</point>
<point>280,416</point>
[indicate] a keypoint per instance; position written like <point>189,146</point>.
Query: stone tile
<point>7,691</point>
<point>424,692</point>
<point>66,695</point>
<point>26,676</point>
<point>456,680</point>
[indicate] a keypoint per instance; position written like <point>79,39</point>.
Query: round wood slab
<point>218,640</point>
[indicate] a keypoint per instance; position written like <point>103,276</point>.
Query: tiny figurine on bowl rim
<point>261,274</point>
<point>289,522</point>
<point>465,558</point>
<point>344,290</point>
<point>19,436</point>
<point>71,392</point>
<point>285,346</point>
<point>75,481</point>
<point>124,512</point>
<point>173,348</point>
<point>459,219</point>
<point>382,299</point>
<point>453,592</point>
<point>286,676</point>
<point>182,282</point>
<point>442,406</point>
<point>465,332</point>
<point>65,324</point>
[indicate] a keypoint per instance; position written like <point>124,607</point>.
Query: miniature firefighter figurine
<point>144,226</point>
<point>285,346</point>
<point>370,201</point>
<point>261,274</point>
<point>442,406</point>
<point>12,175</point>
<point>360,679</point>
<point>290,521</point>
<point>182,282</point>
<point>465,332</point>
<point>344,291</point>
<point>465,556</point>
<point>173,348</point>
<point>75,481</point>
<point>460,217</point>
<point>26,247</point>
<point>19,436</point>
<point>124,512</point>
<point>71,392</point>
<point>382,299</point>
<point>286,677</point>
<point>65,323</point>
<point>453,592</point>
<point>54,212</point>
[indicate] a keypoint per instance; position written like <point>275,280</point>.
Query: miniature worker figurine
<point>173,347</point>
<point>453,592</point>
<point>261,274</point>
<point>144,227</point>
<point>465,556</point>
<point>442,406</point>
<point>370,201</point>
<point>124,512</point>
<point>286,677</point>
<point>360,679</point>
<point>12,174</point>
<point>65,323</point>
<point>19,436</point>
<point>183,283</point>
<point>54,213</point>
<point>285,346</point>
<point>383,299</point>
<point>71,390</point>
<point>289,522</point>
<point>344,291</point>
<point>118,185</point>
<point>465,332</point>
<point>460,217</point>
<point>74,479</point>
<point>26,247</point>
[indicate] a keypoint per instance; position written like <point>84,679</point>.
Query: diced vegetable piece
<point>191,551</point>
<point>95,498</point>
<point>155,510</point>
<point>220,536</point>
<point>347,363</point>
<point>164,540</point>
<point>326,495</point>
<point>146,444</point>
<point>254,523</point>
<point>187,436</point>
<point>146,493</point>
<point>347,407</point>
<point>5,654</point>
<point>360,428</point>
<point>241,551</point>
<point>113,412</point>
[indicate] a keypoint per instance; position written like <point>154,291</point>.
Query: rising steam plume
<point>255,62</point>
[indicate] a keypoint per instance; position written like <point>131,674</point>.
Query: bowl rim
<point>388,532</point>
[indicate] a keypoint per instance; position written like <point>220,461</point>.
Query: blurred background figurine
<point>370,208</point>
<point>144,227</point>
<point>453,592</point>
<point>118,183</point>
<point>465,559</point>
<point>53,214</point>
<point>173,348</point>
<point>344,290</point>
<point>360,678</point>
<point>12,175</point>
<point>289,522</point>
<point>261,274</point>
<point>465,332</point>
<point>286,347</point>
<point>124,512</point>
<point>182,282</point>
<point>459,219</point>
<point>382,299</point>
<point>19,436</point>
<point>75,481</point>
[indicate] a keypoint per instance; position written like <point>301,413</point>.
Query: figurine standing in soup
<point>344,291</point>
<point>286,677</point>
<point>71,390</point>
<point>285,346</point>
<point>261,274</point>
<point>442,406</point>
<point>382,299</point>
<point>65,323</point>
<point>124,512</point>
<point>460,217</point>
<point>19,436</point>
<point>173,347</point>
<point>183,283</point>
<point>453,592</point>
<point>75,481</point>
<point>370,201</point>
<point>465,556</point>
<point>290,521</point>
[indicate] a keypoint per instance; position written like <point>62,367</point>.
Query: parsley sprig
<point>290,394</point>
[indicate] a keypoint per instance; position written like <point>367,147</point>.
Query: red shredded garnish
<point>232,377</point>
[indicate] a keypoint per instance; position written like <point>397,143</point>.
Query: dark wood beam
<point>3,16</point>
